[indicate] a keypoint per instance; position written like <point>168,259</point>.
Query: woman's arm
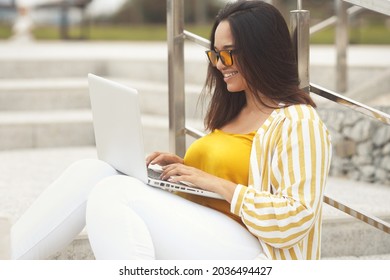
<point>283,207</point>
<point>182,173</point>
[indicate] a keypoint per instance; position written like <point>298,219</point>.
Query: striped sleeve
<point>282,207</point>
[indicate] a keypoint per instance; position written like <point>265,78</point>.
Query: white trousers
<point>126,219</point>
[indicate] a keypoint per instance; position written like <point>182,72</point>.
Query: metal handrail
<point>350,103</point>
<point>379,6</point>
<point>354,10</point>
<point>176,37</point>
<point>196,39</point>
<point>365,217</point>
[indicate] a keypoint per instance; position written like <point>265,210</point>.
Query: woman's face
<point>223,40</point>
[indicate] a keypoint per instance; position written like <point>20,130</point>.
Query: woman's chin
<point>234,89</point>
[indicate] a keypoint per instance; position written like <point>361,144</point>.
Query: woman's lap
<point>177,228</point>
<point>167,226</point>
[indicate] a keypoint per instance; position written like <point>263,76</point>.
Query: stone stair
<point>44,98</point>
<point>56,113</point>
<point>46,123</point>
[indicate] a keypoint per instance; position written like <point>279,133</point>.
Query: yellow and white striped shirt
<point>289,165</point>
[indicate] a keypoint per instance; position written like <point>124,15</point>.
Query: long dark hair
<point>266,57</point>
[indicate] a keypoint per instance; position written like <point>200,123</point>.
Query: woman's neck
<point>253,105</point>
<point>250,118</point>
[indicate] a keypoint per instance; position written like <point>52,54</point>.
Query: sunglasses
<point>225,56</point>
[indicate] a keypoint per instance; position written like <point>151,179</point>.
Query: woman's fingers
<point>178,172</point>
<point>152,157</point>
<point>163,158</point>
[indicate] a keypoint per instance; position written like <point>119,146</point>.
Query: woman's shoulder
<point>299,112</point>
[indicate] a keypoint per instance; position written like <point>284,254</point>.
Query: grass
<point>373,34</point>
<point>5,31</point>
<point>112,33</point>
<point>370,34</point>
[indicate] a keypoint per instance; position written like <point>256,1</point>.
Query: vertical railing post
<point>299,4</point>
<point>64,21</point>
<point>300,33</point>
<point>175,38</point>
<point>341,42</point>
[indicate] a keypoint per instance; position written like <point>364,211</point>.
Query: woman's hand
<point>163,159</point>
<point>178,172</point>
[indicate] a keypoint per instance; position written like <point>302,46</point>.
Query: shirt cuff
<point>238,199</point>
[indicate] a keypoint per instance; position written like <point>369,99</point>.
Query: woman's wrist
<point>226,189</point>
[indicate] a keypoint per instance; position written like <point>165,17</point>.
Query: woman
<point>267,154</point>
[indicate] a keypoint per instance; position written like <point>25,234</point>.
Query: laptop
<point>118,134</point>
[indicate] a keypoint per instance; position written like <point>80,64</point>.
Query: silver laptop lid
<point>117,126</point>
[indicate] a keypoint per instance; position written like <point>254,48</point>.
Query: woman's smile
<point>228,75</point>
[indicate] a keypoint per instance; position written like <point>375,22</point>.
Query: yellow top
<point>224,155</point>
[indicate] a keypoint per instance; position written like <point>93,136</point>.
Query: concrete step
<point>54,113</point>
<point>72,93</point>
<point>148,61</point>
<point>5,229</point>
<point>364,62</point>
<point>344,235</point>
<point>43,94</point>
<point>375,91</point>
<point>24,174</point>
<point>136,61</point>
<point>155,71</point>
<point>34,129</point>
<point>352,237</point>
<point>23,130</point>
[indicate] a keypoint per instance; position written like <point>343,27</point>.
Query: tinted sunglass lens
<point>213,57</point>
<point>226,58</point>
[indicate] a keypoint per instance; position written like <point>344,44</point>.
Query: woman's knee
<point>113,195</point>
<point>91,165</point>
<point>116,187</point>
<point>81,176</point>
